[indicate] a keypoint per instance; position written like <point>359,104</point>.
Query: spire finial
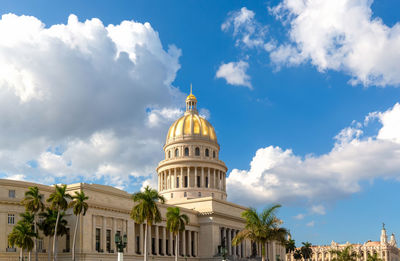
<point>190,88</point>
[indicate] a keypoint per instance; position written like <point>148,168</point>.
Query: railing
<point>11,249</point>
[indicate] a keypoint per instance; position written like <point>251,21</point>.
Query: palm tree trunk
<point>73,243</point>
<point>48,250</point>
<point>145,244</point>
<point>29,255</point>
<point>263,251</point>
<point>21,254</point>
<point>176,246</point>
<point>55,237</point>
<point>267,251</point>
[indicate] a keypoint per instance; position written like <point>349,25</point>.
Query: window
<point>98,239</point>
<point>207,153</point>
<point>186,181</point>
<point>186,151</point>
<point>108,240</point>
<point>11,219</point>
<point>185,194</point>
<point>177,182</point>
<point>206,182</point>
<point>214,154</point>
<point>169,154</point>
<point>199,194</point>
<point>198,181</point>
<point>11,193</point>
<point>40,245</point>
<point>172,195</point>
<point>67,241</point>
<point>212,194</point>
<point>176,153</point>
<point>197,151</point>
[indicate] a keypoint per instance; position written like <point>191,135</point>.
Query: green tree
<point>48,224</point>
<point>290,245</point>
<point>21,236</point>
<point>58,200</point>
<point>374,257</point>
<point>33,203</point>
<point>261,228</point>
<point>176,223</point>
<point>347,254</point>
<point>79,207</point>
<point>306,250</point>
<point>146,210</point>
<point>297,254</point>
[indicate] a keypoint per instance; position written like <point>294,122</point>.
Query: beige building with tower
<point>191,176</point>
<point>386,250</point>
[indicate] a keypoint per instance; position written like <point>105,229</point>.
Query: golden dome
<point>191,125</point>
<point>191,97</point>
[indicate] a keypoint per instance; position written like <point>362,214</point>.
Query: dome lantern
<point>191,102</point>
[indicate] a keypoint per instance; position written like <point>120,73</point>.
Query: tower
<point>383,235</point>
<point>191,168</point>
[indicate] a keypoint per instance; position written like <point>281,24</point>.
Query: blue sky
<point>289,104</point>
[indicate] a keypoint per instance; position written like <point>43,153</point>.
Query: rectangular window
<point>40,245</point>
<point>108,240</point>
<point>138,245</point>
<point>206,182</point>
<point>160,245</point>
<point>153,246</point>
<point>98,239</point>
<point>177,182</point>
<point>198,182</point>
<point>11,219</point>
<point>167,249</point>
<point>186,181</point>
<point>11,193</point>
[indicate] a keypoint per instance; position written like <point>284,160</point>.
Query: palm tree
<point>58,200</point>
<point>306,250</point>
<point>374,257</point>
<point>147,210</point>
<point>261,228</point>
<point>176,223</point>
<point>79,207</point>
<point>33,203</point>
<point>48,224</point>
<point>297,254</point>
<point>290,245</point>
<point>346,254</point>
<point>21,236</point>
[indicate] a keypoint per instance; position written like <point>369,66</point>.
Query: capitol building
<point>191,176</point>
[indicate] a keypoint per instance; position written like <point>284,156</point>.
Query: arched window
<point>186,151</point>
<point>176,153</point>
<point>197,151</point>
<point>169,154</point>
<point>207,153</point>
<point>214,154</point>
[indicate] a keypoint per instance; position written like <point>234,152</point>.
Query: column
<point>131,236</point>
<point>224,180</point>
<point>181,179</point>
<point>190,243</point>
<point>157,240</point>
<point>195,177</point>
<point>159,181</point>
<point>188,176</point>
<point>202,178</point>
<point>174,179</point>
<point>209,180</point>
<point>228,241</point>
<point>114,230</point>
<point>234,247</point>
<point>164,241</point>
<point>226,237</point>
<point>184,243</point>
<point>141,239</point>
<point>274,251</point>
<point>103,235</point>
<point>214,183</point>
<point>93,233</point>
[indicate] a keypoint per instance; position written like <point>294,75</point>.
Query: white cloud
<point>340,35</point>
<point>83,101</point>
<point>318,209</point>
<point>299,216</point>
<point>235,73</point>
<point>310,224</point>
<point>247,31</point>
<point>278,175</point>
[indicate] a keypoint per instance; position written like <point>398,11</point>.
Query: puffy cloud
<point>340,35</point>
<point>299,216</point>
<point>278,175</point>
<point>310,224</point>
<point>83,101</point>
<point>235,73</point>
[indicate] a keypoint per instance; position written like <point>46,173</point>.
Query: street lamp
<point>121,243</point>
